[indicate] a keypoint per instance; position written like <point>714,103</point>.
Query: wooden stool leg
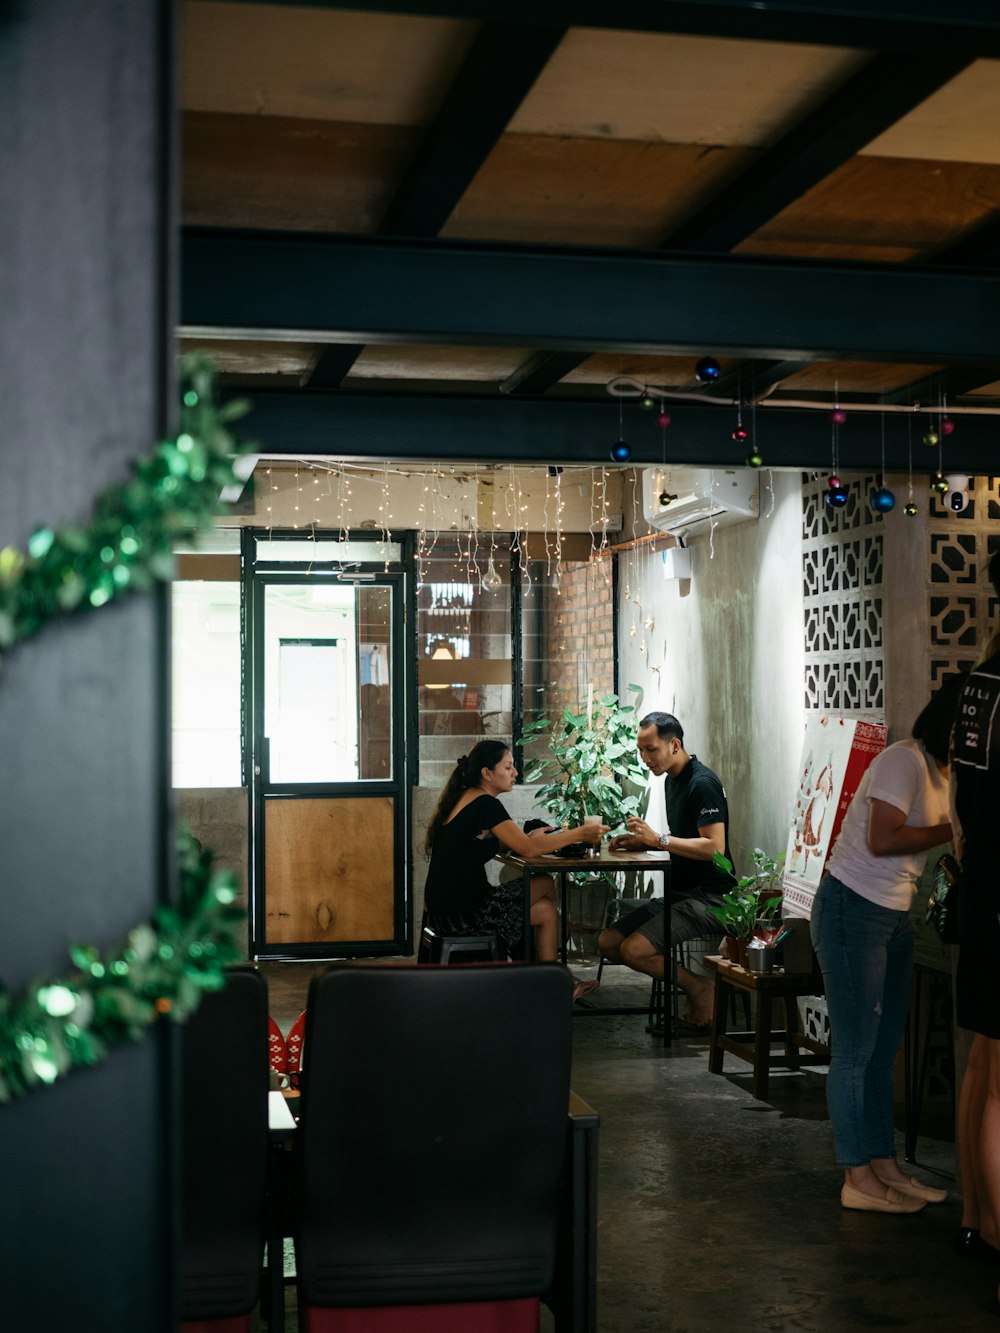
<point>715,1052</point>
<point>792,1031</point>
<point>762,1046</point>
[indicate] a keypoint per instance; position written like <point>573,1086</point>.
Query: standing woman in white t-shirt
<point>864,941</point>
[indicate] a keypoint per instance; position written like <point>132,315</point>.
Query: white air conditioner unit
<point>678,499</point>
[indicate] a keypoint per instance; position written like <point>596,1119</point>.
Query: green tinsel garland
<point>172,494</point>
<point>163,967</point>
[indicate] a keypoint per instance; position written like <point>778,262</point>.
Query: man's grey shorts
<point>689,919</point>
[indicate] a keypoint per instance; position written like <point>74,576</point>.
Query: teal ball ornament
<point>883,500</point>
<point>620,452</point>
<point>836,497</point>
<point>708,370</point>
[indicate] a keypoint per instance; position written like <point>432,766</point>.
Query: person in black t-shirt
<point>466,831</point>
<point>698,819</point>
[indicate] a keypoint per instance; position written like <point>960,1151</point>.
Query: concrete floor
<point>717,1211</point>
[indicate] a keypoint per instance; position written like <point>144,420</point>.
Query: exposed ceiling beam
<point>751,380</point>
<point>874,98</point>
<point>892,25</point>
<point>503,63</point>
<point>979,247</point>
<point>349,289</point>
<point>332,365</point>
<point>947,384</point>
<point>540,372</point>
<point>362,426</point>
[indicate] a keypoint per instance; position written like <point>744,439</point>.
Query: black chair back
<point>433,1133</point>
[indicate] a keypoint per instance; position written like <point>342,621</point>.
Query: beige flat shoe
<point>895,1202</point>
<point>915,1190</point>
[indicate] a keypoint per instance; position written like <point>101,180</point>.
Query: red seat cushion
<point>520,1316</point>
<point>277,1052</point>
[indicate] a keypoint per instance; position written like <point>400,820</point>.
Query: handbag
<point>942,906</point>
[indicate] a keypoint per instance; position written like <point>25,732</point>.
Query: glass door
<point>331,823</point>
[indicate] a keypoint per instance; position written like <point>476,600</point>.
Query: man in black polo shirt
<point>698,819</point>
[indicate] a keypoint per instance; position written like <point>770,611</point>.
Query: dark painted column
<point>86,1207</point>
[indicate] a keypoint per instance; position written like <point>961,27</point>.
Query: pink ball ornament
<point>663,420</point>
<point>834,483</point>
<point>947,425</point>
<point>740,434</point>
<point>838,416</point>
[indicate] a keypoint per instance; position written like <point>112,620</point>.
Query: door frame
<point>257,574</point>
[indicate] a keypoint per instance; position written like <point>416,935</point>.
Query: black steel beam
<point>751,380</point>
<point>892,25</point>
<point>946,384</point>
<point>365,290</point>
<point>540,372</point>
<point>549,431</point>
<point>331,366</point>
<point>875,97</point>
<point>980,247</point>
<point>499,70</point>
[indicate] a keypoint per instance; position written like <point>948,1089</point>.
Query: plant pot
<point>736,950</point>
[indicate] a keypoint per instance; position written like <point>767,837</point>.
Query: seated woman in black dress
<point>467,830</point>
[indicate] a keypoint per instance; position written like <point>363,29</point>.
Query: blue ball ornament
<point>836,497</point>
<point>707,370</point>
<point>883,500</point>
<point>620,452</point>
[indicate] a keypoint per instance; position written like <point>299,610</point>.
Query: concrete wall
<point>725,655</point>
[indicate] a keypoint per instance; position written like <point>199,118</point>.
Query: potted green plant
<point>752,909</point>
<point>592,766</point>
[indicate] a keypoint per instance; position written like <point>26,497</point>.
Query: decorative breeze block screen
<point>962,606</point>
<point>842,577</point>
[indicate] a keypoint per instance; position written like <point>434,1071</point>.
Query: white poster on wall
<point>835,754</point>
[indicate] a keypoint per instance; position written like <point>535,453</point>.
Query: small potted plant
<point>752,909</point>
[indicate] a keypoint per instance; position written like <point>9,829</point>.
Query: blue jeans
<point>866,954</point>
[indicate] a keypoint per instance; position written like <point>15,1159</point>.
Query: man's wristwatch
<point>664,840</point>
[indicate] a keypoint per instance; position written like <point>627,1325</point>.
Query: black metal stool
<point>437,948</point>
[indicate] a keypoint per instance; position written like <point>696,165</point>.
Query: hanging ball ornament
<point>754,460</point>
<point>836,496</point>
<point>740,434</point>
<point>646,403</point>
<point>883,500</point>
<point>838,416</point>
<point>834,483</point>
<point>947,425</point>
<point>620,452</point>
<point>707,370</point>
<point>910,509</point>
<point>939,484</point>
<point>932,438</point>
<point>663,420</point>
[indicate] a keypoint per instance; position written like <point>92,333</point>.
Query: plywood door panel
<point>329,869</point>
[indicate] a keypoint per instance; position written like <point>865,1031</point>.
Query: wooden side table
<point>755,1047</point>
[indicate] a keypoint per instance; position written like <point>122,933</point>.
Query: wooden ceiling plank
<point>498,72</point>
<point>880,93</point>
